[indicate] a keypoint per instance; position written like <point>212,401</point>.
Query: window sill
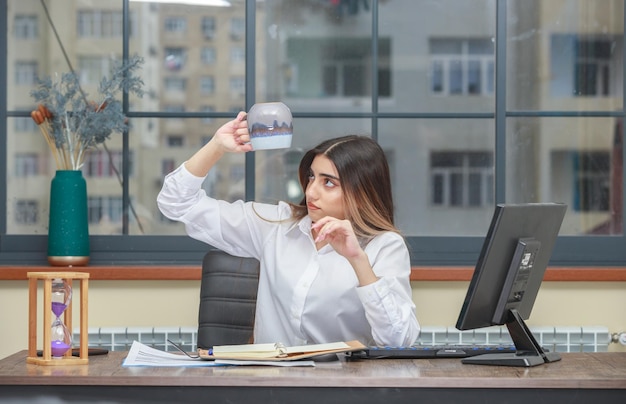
<point>193,273</point>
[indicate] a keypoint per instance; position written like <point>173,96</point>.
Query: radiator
<point>556,339</point>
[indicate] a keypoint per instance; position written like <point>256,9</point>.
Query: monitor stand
<point>529,352</point>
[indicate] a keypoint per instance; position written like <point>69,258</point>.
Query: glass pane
<point>317,57</point>
<point>577,161</point>
<point>565,55</point>
<point>152,157</point>
<point>30,168</point>
<point>200,48</point>
<point>442,174</point>
<point>277,170</point>
<point>440,57</point>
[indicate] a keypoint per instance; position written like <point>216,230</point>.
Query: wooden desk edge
<point>418,273</point>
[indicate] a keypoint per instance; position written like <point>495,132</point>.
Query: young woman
<point>334,267</point>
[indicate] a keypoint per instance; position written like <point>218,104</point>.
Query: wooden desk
<point>577,378</point>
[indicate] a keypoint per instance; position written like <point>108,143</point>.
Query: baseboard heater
<point>556,339</point>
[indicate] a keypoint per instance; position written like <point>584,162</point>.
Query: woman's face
<point>324,195</point>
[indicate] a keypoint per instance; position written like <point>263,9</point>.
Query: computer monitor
<point>507,277</point>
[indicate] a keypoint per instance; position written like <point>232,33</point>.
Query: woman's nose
<point>311,192</point>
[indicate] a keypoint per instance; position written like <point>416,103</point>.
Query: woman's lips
<point>311,206</point>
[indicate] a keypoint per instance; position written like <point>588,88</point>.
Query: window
<point>207,85</point>
<point>104,209</point>
<point>237,28</point>
<point>175,84</point>
<point>25,125</point>
<point>175,24</point>
<point>175,59</point>
<point>237,86</point>
<point>462,66</point>
<point>207,55</point>
<point>592,187</point>
<point>418,76</point>
<point>25,73</point>
<point>345,68</point>
<point>582,66</point>
<point>26,165</point>
<point>100,24</point>
<point>208,27</point>
<point>91,69</point>
<point>237,55</point>
<point>461,179</point>
<point>26,211</point>
<point>25,27</point>
<point>175,141</point>
<point>103,164</point>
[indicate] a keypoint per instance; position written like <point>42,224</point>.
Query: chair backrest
<point>228,293</point>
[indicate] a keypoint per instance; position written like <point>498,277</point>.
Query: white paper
<point>144,355</point>
<point>264,363</point>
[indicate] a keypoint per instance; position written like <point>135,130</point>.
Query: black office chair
<point>228,293</point>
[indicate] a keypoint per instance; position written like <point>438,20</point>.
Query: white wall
<point>175,303</point>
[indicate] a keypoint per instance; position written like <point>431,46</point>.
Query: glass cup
<point>270,125</point>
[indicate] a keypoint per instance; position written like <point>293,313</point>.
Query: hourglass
<point>57,302</point>
<point>59,334</point>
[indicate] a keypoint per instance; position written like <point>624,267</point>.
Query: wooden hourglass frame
<point>46,357</point>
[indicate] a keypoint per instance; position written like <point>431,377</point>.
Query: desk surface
<point>599,373</point>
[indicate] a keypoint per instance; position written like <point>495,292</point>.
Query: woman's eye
<point>329,183</point>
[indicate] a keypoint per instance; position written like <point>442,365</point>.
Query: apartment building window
<point>237,55</point>
<point>175,141</point>
<point>22,124</point>
<point>461,179</point>
<point>91,69</point>
<point>104,209</point>
<point>462,66</point>
<point>237,86</point>
<point>207,85</point>
<point>592,187</point>
<point>26,73</point>
<point>175,25</point>
<point>208,27</point>
<point>25,26</point>
<point>175,58</point>
<point>343,68</point>
<point>583,66</point>
<point>99,24</point>
<point>26,211</point>
<point>103,164</point>
<point>26,165</point>
<point>175,84</point>
<point>207,55</point>
<point>237,28</point>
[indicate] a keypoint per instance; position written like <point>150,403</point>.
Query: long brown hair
<point>365,181</point>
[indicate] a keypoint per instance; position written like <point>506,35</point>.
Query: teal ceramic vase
<point>68,228</point>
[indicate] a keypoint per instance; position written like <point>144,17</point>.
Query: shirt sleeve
<point>238,228</point>
<point>388,303</point>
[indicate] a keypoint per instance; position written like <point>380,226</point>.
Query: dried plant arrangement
<point>71,123</point>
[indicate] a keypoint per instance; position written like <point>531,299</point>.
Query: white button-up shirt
<point>306,295</point>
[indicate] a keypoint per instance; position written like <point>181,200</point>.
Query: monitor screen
<point>507,277</point>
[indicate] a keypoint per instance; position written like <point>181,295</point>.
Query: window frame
<point>128,249</point>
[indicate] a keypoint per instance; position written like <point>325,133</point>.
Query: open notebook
<point>277,352</point>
